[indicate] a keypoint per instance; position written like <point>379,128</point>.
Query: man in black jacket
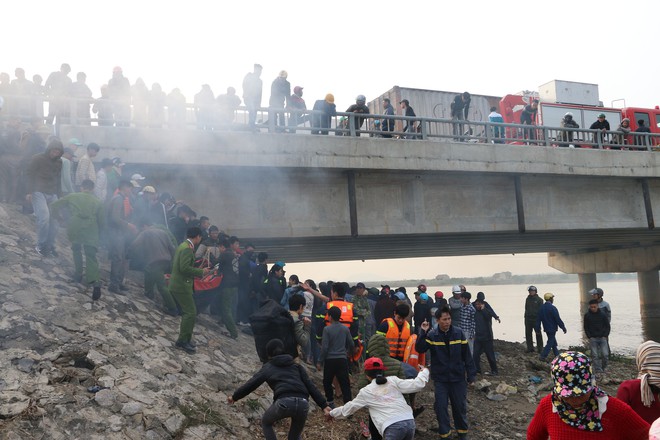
<point>43,188</point>
<point>359,107</point>
<point>460,108</point>
<point>291,389</point>
<point>411,126</point>
<point>533,304</point>
<point>483,341</point>
<point>597,329</point>
<point>603,126</point>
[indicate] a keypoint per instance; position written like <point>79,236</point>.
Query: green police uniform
<point>181,287</point>
<point>85,221</point>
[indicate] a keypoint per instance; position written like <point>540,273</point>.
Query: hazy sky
<point>349,48</point>
<point>344,47</point>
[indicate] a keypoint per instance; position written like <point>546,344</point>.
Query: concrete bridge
<point>323,198</point>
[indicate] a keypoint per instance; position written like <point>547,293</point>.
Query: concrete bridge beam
<point>637,259</point>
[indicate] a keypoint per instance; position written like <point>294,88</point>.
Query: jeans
<point>470,342</point>
<point>402,430</point>
<point>599,353</point>
<point>551,344</point>
<point>294,407</point>
<point>46,225</point>
<point>456,393</point>
<point>529,331</point>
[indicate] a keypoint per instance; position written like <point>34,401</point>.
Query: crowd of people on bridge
<point>123,104</point>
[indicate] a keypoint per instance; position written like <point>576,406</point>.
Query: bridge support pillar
<point>649,293</point>
<point>586,282</point>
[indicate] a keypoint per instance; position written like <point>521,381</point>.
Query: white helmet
<point>568,114</point>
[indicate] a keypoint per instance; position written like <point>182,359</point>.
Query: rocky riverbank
<point>71,368</point>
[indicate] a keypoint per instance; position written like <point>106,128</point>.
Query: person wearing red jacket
<point>577,409</point>
<point>643,393</point>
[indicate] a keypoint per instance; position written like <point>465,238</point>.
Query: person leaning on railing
<point>568,123</point>
<point>623,130</point>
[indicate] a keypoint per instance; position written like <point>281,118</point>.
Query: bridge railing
<point>106,112</point>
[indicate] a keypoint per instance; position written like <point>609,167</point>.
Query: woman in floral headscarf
<point>578,409</point>
<point>643,393</point>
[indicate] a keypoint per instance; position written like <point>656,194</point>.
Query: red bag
<point>208,282</point>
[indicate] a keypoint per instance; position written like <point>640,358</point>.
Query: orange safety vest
<point>397,338</point>
<point>346,308</point>
<point>412,356</point>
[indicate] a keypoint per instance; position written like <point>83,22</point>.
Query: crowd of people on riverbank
<point>450,334</point>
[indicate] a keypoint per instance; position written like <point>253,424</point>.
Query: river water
<point>509,303</point>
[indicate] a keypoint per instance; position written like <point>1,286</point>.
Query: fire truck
<point>556,98</point>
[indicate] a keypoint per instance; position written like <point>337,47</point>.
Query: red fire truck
<point>550,114</point>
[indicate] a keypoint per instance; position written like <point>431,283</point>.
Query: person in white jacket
<point>383,397</point>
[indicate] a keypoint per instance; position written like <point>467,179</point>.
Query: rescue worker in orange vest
<point>348,318</point>
<point>397,331</point>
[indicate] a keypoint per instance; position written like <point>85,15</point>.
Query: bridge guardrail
<point>73,111</point>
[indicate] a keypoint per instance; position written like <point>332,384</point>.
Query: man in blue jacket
<point>549,316</point>
<point>452,368</point>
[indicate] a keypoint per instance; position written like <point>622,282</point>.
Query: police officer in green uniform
<point>181,286</point>
<point>85,221</point>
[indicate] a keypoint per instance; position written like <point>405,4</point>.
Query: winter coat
<point>549,317</point>
<point>285,378</point>
<point>455,306</point>
<point>323,120</point>
<point>451,360</point>
<point>183,269</point>
<point>358,108</point>
<point>422,312</point>
<point>483,324</point>
<point>280,92</point>
<point>152,245</point>
<point>458,107</point>
<point>86,217</point>
<point>388,124</point>
<point>596,325</point>
<point>378,347</point>
<point>229,267</point>
<point>532,306</point>
<point>528,115</point>
<point>44,174</point>
<point>598,125</point>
